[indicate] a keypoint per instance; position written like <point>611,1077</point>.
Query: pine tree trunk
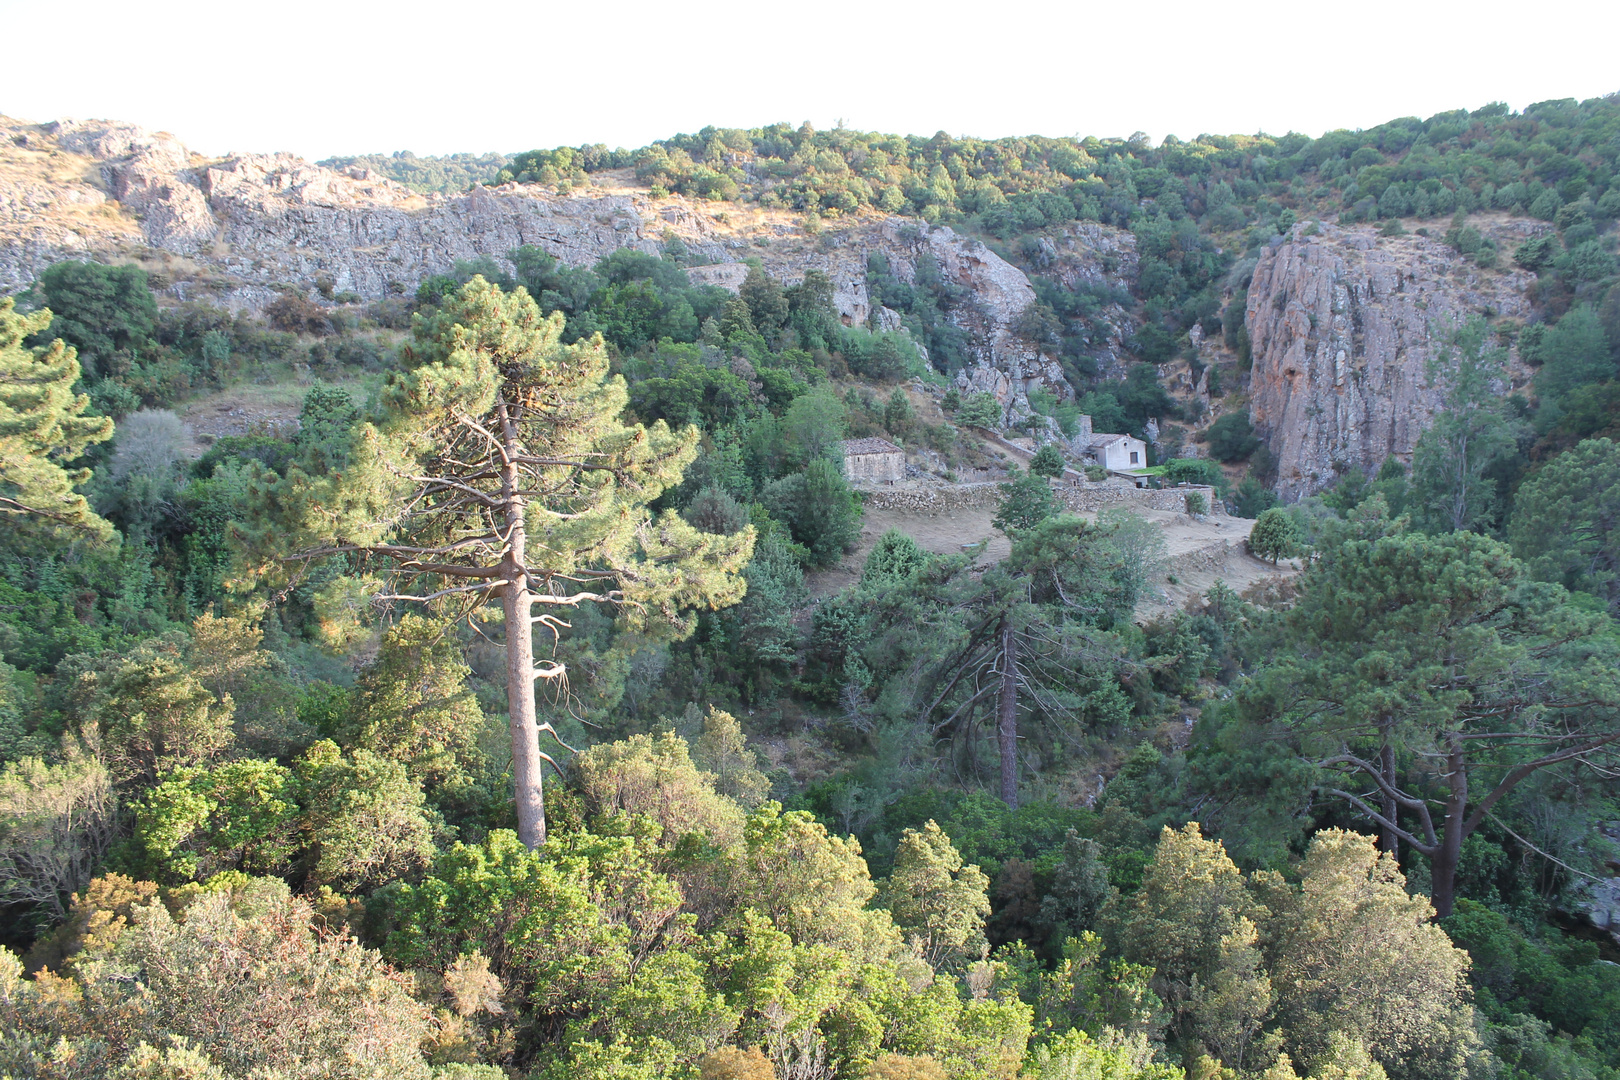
<point>1389,841</point>
<point>528,767</point>
<point>1007,714</point>
<point>1443,888</point>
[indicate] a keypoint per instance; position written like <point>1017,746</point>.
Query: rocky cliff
<point>1343,326</point>
<point>1343,323</point>
<point>234,230</point>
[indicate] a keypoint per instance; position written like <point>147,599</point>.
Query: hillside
<point>1074,257</point>
<point>814,605</point>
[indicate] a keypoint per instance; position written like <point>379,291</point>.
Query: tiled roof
<point>1100,439</point>
<point>857,447</point>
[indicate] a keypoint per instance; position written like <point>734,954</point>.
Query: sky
<point>322,79</point>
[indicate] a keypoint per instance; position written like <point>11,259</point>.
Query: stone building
<point>1122,453</point>
<point>873,461</point>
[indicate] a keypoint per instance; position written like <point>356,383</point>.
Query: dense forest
<point>498,719</point>
<point>1194,206</point>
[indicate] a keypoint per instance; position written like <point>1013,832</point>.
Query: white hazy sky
<point>339,77</point>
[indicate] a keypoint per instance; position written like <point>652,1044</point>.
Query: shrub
<point>102,311</point>
<point>714,511</point>
<point>980,410</point>
<point>1194,471</point>
<point>1275,536</point>
<point>1253,498</point>
<point>820,510</point>
<point>1048,462</point>
<point>730,1063</point>
<point>1231,438</point>
<point>295,315</point>
<point>1197,505</point>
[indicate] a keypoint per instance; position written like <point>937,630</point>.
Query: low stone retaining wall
<point>1211,558</point>
<point>935,500</point>
<point>1106,495</point>
<point>947,499</point>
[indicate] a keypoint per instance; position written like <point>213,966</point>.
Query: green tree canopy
<point>498,469</point>
<point>42,429</point>
<point>1274,535</point>
<point>1032,636</point>
<point>1192,898</point>
<point>1231,438</point>
<point>1047,462</point>
<point>1351,925</point>
<point>939,902</point>
<point>342,1012</point>
<point>1566,520</point>
<point>1433,669</point>
<point>1452,486</point>
<point>1575,353</point>
<point>101,311</point>
<point>1026,501</point>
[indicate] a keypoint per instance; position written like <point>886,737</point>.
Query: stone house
<point>873,461</point>
<point>1121,453</point>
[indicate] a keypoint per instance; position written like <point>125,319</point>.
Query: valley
<point>795,604</point>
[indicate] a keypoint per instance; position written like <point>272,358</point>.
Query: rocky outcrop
<point>1004,363</point>
<point>1087,253</point>
<point>1344,326</point>
<point>53,206</point>
<point>1597,900</point>
<point>150,176</point>
<point>234,230</point>
<point>261,220</point>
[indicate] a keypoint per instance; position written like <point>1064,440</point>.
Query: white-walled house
<point>1121,453</point>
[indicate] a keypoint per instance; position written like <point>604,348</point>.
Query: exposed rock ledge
<point>233,229</point>
<point>1344,326</point>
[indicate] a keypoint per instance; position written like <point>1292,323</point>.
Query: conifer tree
<point>1428,678</point>
<point>1032,634</point>
<point>42,425</point>
<point>498,469</point>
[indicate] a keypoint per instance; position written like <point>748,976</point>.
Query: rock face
<point>1004,363</point>
<point>1603,906</point>
<point>232,231</point>
<point>1343,327</point>
<point>259,220</point>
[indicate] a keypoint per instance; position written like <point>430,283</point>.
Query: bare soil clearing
<point>253,409</point>
<point>1196,558</point>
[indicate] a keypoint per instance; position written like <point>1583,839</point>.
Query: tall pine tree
<point>498,470</point>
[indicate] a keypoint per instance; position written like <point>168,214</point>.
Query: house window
<point>1133,457</point>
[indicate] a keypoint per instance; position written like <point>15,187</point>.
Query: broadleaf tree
<point>1452,482</point>
<point>497,470</point>
<point>1566,520</point>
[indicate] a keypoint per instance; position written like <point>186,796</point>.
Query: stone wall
<point>1082,499</point>
<point>1211,558</point>
<point>875,468</point>
<point>1103,496</point>
<point>936,500</point>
